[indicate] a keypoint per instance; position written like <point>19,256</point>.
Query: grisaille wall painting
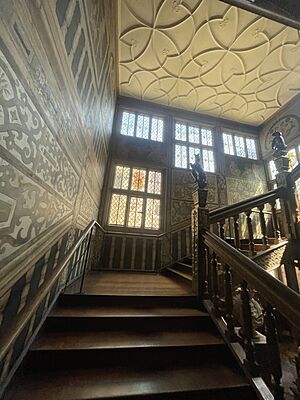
<point>57,101</point>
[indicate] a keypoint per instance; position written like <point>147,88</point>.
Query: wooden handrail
<point>294,174</point>
<point>27,312</point>
<point>286,300</point>
<point>234,209</point>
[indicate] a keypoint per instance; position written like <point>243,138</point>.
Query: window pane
<point>293,159</point>
<point>157,129</point>
<point>127,127</point>
<point>180,132</point>
<point>272,169</point>
<point>117,209</point>
<point>154,182</point>
<point>208,160</point>
<point>194,134</point>
<point>121,177</point>
<point>240,146</point>
<point>251,149</point>
<point>192,152</point>
<point>135,212</point>
<point>228,144</point>
<point>206,137</point>
<point>142,127</point>
<point>180,156</point>
<point>152,214</point>
<point>138,179</point>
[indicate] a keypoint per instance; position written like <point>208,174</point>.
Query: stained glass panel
<point>240,146</point>
<point>154,182</point>
<point>138,179</point>
<point>152,214</point>
<point>251,148</point>
<point>135,212</point>
<point>128,121</point>
<point>180,156</point>
<point>208,160</point>
<point>121,177</point>
<point>228,144</point>
<point>293,159</point>
<point>206,137</point>
<point>272,169</point>
<point>117,209</point>
<point>180,131</point>
<point>157,129</point>
<point>194,134</point>
<point>142,127</point>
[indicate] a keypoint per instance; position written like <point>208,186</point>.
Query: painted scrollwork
<point>26,136</point>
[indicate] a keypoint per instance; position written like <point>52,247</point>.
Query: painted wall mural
<point>57,100</point>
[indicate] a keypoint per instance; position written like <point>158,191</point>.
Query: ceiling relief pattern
<point>207,56</point>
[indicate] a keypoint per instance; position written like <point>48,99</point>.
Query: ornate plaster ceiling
<point>207,56</point>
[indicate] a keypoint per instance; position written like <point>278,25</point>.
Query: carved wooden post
<point>273,351</point>
<point>229,304</point>
<point>215,283</point>
<point>221,229</point>
<point>250,233</point>
<point>276,230</point>
<point>297,361</point>
<point>263,226</point>
<point>236,232</point>
<point>200,222</point>
<point>247,330</point>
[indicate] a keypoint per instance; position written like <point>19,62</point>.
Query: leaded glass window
<point>251,148</point>
<point>152,214</point>
<point>128,124</point>
<point>180,156</point>
<point>136,198</point>
<point>240,146</point>
<point>293,159</point>
<point>117,209</point>
<point>228,144</point>
<point>142,126</point>
<point>198,140</point>
<point>157,128</point>
<point>180,132</point>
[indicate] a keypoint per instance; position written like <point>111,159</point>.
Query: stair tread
<point>126,339</point>
<point>116,382</point>
<point>182,274</point>
<point>117,311</point>
<point>184,264</point>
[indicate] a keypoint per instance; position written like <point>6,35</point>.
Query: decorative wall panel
<point>207,56</point>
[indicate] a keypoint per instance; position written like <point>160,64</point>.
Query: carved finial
<point>199,173</point>
<point>278,144</point>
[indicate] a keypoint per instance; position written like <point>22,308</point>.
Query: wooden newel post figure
<point>200,222</point>
<point>287,200</point>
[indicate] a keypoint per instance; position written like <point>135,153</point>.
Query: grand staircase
<point>129,347</point>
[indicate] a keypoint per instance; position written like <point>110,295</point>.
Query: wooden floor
<point>126,283</point>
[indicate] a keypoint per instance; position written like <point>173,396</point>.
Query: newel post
<point>287,199</point>
<point>200,222</point>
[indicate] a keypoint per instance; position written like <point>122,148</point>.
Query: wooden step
<point>183,267</point>
<point>205,378</point>
<point>178,274</point>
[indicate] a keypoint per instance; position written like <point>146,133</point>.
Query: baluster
<point>221,229</point>
<point>276,230</point>
<point>250,233</point>
<point>229,304</point>
<point>215,283</point>
<point>263,226</point>
<point>247,330</point>
<point>274,360</point>
<point>297,361</point>
<point>236,232</point>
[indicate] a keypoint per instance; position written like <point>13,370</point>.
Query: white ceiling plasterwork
<point>207,56</point>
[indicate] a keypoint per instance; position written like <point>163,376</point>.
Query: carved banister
<point>275,292</point>
<point>263,226</point>
<point>250,232</point>
<point>240,207</point>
